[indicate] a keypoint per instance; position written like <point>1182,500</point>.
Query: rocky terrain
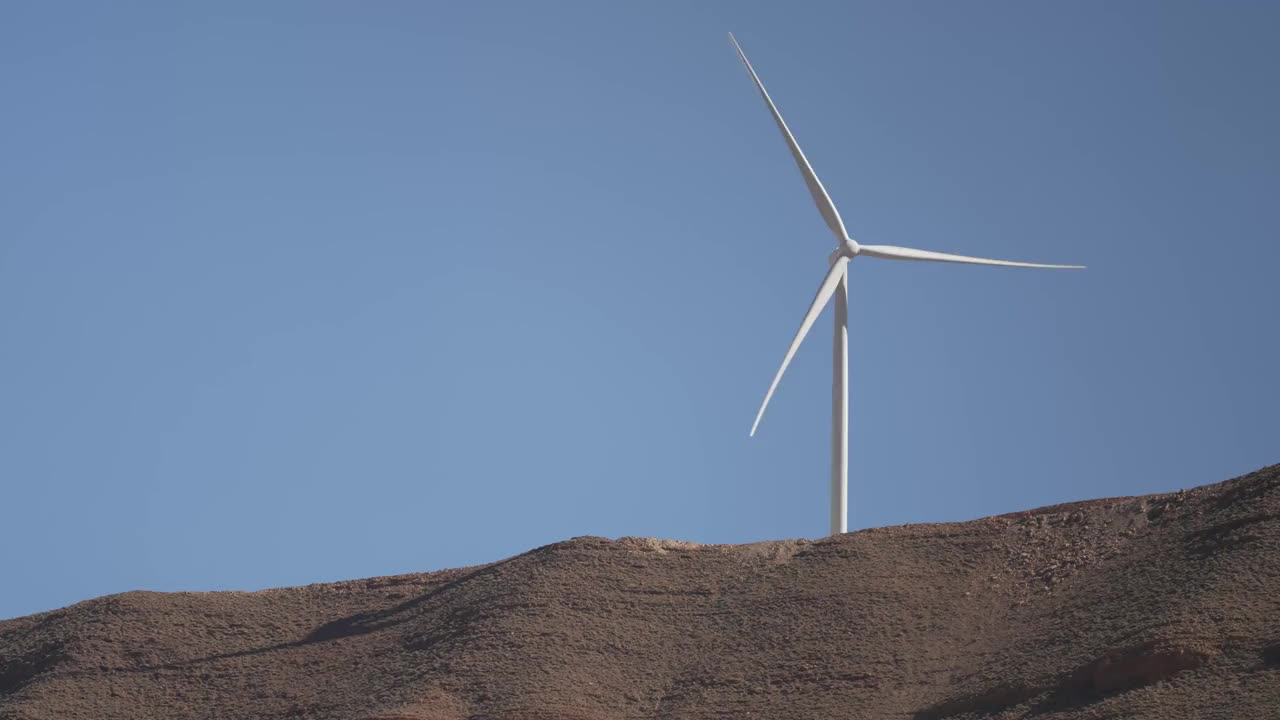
<point>1165,606</point>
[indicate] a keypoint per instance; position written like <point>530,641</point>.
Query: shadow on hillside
<point>351,626</point>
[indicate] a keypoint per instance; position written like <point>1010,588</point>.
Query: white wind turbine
<point>837,283</point>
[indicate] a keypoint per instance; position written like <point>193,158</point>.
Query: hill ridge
<point>1143,607</point>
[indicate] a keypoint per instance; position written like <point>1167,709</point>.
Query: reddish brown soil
<point>1166,606</point>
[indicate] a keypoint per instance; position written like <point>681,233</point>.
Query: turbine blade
<point>891,252</point>
<point>825,291</point>
<point>819,193</point>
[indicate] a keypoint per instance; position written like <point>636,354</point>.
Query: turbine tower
<point>836,284</point>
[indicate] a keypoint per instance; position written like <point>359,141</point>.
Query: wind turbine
<point>836,284</point>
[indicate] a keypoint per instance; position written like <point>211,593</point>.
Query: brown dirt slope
<point>1165,606</point>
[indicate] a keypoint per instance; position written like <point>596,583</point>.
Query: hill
<point>1164,606</point>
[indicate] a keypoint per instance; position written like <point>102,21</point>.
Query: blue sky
<point>297,292</point>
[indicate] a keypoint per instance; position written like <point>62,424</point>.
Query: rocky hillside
<point>1165,606</point>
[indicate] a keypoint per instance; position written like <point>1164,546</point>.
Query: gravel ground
<point>1163,607</point>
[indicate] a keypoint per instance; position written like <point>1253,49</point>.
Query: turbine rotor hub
<point>849,248</point>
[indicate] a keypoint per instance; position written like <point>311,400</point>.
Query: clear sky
<point>299,292</point>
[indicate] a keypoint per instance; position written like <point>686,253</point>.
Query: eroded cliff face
<point>1165,606</point>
